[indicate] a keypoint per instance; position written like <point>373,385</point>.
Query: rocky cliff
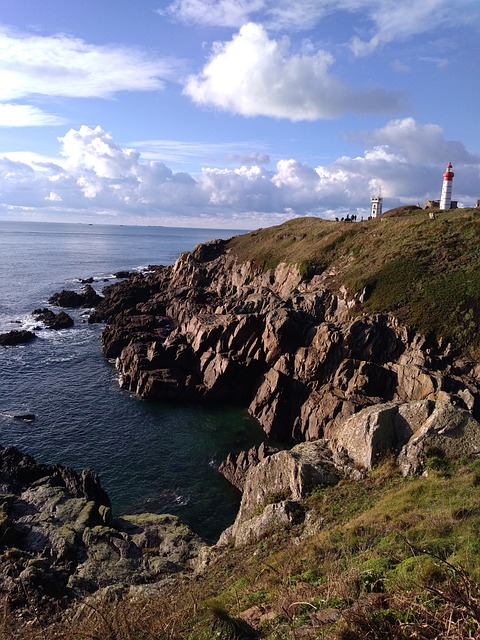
<point>299,353</point>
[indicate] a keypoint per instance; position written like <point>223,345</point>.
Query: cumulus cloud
<point>94,149</point>
<point>420,142</point>
<point>61,65</point>
<point>254,75</point>
<point>98,176</point>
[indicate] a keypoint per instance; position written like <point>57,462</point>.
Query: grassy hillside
<point>384,558</point>
<point>425,271</point>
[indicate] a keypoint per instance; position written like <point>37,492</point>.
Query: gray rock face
<point>58,540</point>
<point>448,431</point>
<point>408,431</point>
<point>235,469</point>
<point>274,487</point>
<point>211,328</point>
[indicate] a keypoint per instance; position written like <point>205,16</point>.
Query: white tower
<point>446,199</point>
<point>377,204</point>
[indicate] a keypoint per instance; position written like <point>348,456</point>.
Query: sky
<point>234,114</point>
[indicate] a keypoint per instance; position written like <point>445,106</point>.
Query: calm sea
<point>150,457</point>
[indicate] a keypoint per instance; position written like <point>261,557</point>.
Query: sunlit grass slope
<point>425,271</point>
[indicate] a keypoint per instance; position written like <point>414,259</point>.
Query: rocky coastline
<point>340,388</point>
<point>59,542</point>
<point>295,352</point>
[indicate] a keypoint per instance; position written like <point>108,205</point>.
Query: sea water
<point>157,457</point>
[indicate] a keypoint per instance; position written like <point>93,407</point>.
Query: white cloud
<point>254,75</point>
<point>99,177</point>
<point>220,13</point>
<point>389,20</point>
<point>53,197</point>
<point>22,115</point>
<point>394,21</point>
<point>275,14</point>
<point>420,143</point>
<point>61,65</point>
<point>95,150</point>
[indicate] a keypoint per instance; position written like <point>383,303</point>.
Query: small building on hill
<point>435,204</point>
<point>376,206</point>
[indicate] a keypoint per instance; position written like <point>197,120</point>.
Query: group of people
<point>352,218</point>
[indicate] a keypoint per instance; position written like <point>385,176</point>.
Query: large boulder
<point>367,436</point>
<point>409,431</point>
<point>284,477</point>
<point>448,431</point>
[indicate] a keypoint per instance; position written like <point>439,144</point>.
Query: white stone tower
<point>446,199</point>
<point>377,204</point>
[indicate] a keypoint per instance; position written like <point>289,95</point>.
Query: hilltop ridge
<point>426,272</point>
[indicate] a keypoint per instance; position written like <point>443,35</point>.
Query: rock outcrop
<point>72,299</point>
<point>12,338</point>
<point>235,468</point>
<point>411,433</point>
<point>210,327</point>
<point>53,320</point>
<point>274,489</point>
<point>58,539</point>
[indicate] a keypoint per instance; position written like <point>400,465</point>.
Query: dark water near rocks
<point>150,457</point>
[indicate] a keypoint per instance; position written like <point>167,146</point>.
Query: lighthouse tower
<point>446,199</point>
<point>377,204</point>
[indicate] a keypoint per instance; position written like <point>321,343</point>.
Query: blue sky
<point>234,113</point>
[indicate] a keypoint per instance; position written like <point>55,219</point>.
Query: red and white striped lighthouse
<point>446,199</point>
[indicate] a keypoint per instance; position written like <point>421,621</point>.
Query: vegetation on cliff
<point>384,557</point>
<point>425,271</point>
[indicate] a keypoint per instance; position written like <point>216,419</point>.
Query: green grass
<point>425,271</point>
<point>411,544</point>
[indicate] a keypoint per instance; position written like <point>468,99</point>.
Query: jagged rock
<point>53,320</point>
<point>58,541</point>
<point>88,298</point>
<point>235,469</point>
<point>283,477</point>
<point>211,328</point>
<point>12,338</point>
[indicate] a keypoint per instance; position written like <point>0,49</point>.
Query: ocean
<point>156,457</point>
